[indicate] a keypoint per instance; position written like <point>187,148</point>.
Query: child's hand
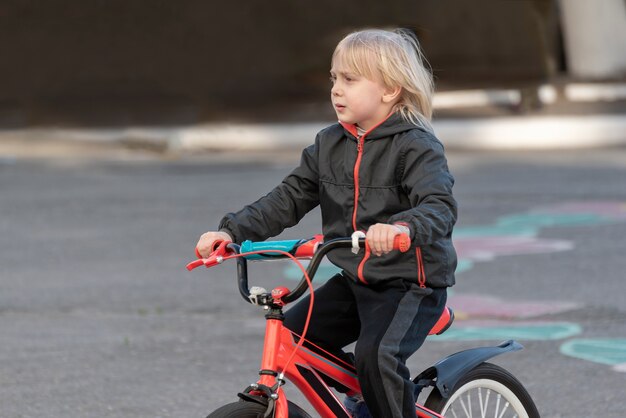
<point>380,237</point>
<point>207,242</point>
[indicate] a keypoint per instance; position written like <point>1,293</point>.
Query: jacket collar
<point>393,124</point>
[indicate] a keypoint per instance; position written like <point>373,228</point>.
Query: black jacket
<point>397,173</point>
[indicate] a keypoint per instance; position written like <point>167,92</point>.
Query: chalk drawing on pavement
<point>610,351</point>
<point>518,234</point>
<point>480,306</point>
<point>325,271</point>
<point>505,330</point>
<point>483,317</point>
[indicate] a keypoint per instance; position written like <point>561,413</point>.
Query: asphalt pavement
<point>99,318</point>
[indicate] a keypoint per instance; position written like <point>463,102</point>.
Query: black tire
<point>243,409</point>
<point>486,381</point>
<point>239,409</point>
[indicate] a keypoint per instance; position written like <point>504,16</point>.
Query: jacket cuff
<point>405,227</point>
<point>229,233</point>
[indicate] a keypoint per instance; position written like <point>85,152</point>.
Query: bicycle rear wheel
<point>486,390</point>
<point>243,409</point>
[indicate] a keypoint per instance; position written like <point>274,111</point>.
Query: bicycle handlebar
<point>228,250</point>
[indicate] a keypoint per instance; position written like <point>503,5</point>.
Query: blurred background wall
<point>101,62</point>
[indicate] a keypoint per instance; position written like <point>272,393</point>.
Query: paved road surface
<point>98,317</point>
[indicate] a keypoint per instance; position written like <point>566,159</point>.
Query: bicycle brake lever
<point>194,264</point>
<point>216,257</point>
<point>213,260</point>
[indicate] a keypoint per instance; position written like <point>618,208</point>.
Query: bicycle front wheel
<point>243,409</point>
<point>486,390</point>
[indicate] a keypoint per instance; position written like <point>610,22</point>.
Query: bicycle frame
<point>309,371</point>
<point>304,371</point>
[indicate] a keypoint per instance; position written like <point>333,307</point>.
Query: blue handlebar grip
<point>249,246</point>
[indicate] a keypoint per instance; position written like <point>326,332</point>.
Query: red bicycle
<point>463,384</point>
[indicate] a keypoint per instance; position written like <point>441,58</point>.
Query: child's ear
<point>391,94</point>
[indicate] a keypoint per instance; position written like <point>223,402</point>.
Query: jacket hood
<point>394,124</point>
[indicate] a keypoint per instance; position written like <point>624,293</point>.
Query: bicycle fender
<point>449,370</point>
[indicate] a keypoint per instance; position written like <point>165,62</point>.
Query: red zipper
<point>357,166</point>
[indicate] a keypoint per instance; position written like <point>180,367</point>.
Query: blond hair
<point>394,57</point>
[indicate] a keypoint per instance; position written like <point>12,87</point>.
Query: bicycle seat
<point>444,322</point>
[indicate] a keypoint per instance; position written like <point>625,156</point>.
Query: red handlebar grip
<point>219,248</point>
<point>402,242</point>
<point>217,245</point>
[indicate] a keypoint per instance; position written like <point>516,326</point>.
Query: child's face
<point>358,100</point>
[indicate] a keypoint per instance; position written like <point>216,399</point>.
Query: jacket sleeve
<point>428,184</point>
<point>281,208</point>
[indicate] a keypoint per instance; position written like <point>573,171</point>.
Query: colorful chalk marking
<point>604,351</point>
<point>499,331</point>
<point>325,271</point>
<point>519,233</point>
<point>481,306</point>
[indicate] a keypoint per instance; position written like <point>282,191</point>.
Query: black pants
<point>389,322</point>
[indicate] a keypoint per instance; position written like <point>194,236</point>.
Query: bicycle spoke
<point>495,415</point>
<point>501,406</point>
<point>454,413</point>
<point>467,412</point>
<point>506,406</point>
<point>483,412</point>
